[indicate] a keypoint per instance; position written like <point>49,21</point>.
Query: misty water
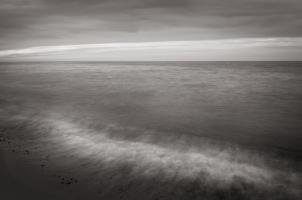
<point>219,128</point>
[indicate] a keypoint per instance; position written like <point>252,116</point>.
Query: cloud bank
<point>26,23</point>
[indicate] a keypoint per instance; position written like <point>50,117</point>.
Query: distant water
<point>251,103</point>
<point>180,122</point>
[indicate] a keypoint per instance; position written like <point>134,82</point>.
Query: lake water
<point>252,103</point>
<point>154,112</point>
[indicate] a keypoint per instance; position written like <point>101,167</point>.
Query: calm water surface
<point>251,103</point>
<point>162,130</point>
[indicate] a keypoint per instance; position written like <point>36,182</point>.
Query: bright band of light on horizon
<point>163,47</point>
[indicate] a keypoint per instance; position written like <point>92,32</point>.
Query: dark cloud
<point>53,22</point>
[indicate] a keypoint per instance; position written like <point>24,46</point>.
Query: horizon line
<point>212,43</point>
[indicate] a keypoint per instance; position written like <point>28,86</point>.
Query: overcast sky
<point>151,29</point>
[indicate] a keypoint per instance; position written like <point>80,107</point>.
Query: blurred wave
<point>214,168</point>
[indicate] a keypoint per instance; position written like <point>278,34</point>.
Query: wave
<point>114,157</point>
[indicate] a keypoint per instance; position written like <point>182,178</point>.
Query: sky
<point>150,30</point>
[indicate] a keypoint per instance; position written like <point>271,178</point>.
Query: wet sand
<point>21,179</point>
